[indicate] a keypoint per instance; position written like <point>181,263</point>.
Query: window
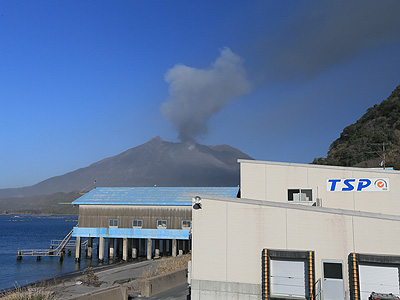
<point>300,195</point>
<point>333,270</point>
<point>161,223</point>
<point>113,223</point>
<point>137,223</point>
<point>186,224</point>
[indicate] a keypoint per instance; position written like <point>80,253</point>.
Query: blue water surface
<point>34,232</point>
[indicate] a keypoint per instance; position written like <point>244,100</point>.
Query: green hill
<point>373,138</point>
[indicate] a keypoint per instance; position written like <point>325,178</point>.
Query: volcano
<point>155,163</point>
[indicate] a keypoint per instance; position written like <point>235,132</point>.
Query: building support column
<point>111,248</point>
<point>101,249</point>
<point>78,249</point>
<point>125,249</point>
<point>135,248</point>
<point>149,248</point>
<point>157,248</point>
<point>174,242</point>
<point>180,247</point>
<point>89,250</point>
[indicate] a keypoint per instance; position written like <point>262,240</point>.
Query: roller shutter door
<point>379,279</point>
<point>287,278</point>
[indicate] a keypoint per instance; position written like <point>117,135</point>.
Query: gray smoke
<point>328,33</point>
<point>197,94</point>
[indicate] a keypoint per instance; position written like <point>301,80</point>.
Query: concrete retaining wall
<point>221,290</point>
<point>158,284</point>
<point>115,293</point>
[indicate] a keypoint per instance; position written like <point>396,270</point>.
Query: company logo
<point>358,185</point>
<point>381,184</point>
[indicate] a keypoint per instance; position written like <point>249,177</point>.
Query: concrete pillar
<point>125,249</point>
<point>101,249</point>
<point>89,250</point>
<point>78,248</point>
<point>110,248</point>
<point>157,249</point>
<point>19,256</point>
<point>180,247</point>
<point>135,248</point>
<point>149,248</point>
<point>174,242</point>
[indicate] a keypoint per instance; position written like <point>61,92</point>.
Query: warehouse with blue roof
<point>139,221</point>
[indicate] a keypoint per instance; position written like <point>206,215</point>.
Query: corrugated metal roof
<point>150,195</point>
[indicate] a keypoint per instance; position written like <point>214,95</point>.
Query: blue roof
<point>150,195</point>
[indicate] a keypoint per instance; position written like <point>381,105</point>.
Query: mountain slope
<point>373,138</point>
<point>156,162</point>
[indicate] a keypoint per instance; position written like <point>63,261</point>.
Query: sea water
<point>34,232</point>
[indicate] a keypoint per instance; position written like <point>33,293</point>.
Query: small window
<point>161,223</point>
<point>137,223</point>
<point>113,223</point>
<point>300,195</point>
<point>186,224</point>
<point>333,270</point>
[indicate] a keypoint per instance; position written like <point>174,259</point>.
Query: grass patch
<point>29,293</point>
<point>167,265</point>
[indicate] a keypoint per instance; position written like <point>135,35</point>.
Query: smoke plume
<point>326,34</point>
<point>197,94</point>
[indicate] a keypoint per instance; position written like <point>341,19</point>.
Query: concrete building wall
<point>271,181</point>
<point>230,234</point>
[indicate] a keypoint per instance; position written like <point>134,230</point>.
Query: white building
<point>299,232</point>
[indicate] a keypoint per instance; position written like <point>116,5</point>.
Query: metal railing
<point>318,290</point>
<point>71,244</point>
<point>57,251</point>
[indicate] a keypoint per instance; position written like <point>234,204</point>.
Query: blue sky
<point>84,80</point>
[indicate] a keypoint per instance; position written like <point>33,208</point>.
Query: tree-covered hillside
<point>373,138</point>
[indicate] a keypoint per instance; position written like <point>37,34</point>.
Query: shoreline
<point>54,281</point>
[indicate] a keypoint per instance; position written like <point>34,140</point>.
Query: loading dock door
<point>287,278</point>
<point>379,279</point>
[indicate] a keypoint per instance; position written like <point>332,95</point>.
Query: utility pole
<point>383,155</point>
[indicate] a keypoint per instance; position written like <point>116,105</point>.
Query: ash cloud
<point>198,94</point>
<point>328,33</point>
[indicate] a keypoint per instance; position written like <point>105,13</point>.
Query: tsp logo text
<point>358,184</point>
